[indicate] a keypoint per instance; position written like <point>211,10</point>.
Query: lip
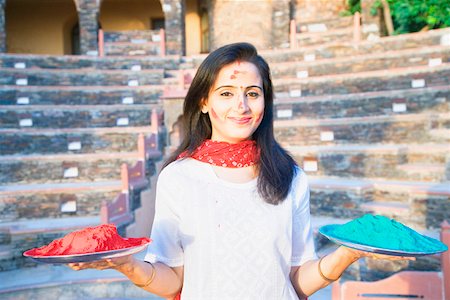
<point>241,121</point>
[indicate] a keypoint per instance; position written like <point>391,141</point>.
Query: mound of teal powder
<point>381,232</point>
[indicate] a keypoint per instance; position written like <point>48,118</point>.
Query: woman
<point>232,207</point>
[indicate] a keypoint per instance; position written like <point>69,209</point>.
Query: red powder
<point>88,240</point>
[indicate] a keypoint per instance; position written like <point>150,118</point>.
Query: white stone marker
<point>327,136</point>
<point>434,62</point>
<point>20,65</point>
<point>122,122</point>
<point>136,68</point>
<point>284,113</point>
<point>295,93</point>
<point>133,82</point>
<point>127,100</point>
<point>71,172</point>
<point>310,166</point>
<point>398,107</point>
<point>23,100</point>
<point>69,206</point>
<point>418,83</point>
<point>302,74</point>
<point>74,145</point>
<point>22,81</point>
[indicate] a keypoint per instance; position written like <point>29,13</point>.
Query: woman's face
<point>235,103</point>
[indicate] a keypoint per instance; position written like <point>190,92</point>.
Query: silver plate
<point>327,231</point>
<point>73,258</point>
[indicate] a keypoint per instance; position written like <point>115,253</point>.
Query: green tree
<point>410,15</point>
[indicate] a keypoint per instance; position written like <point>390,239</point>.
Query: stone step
<point>375,161</point>
<point>74,116</point>
<point>70,140</point>
<point>60,282</point>
<point>80,77</point>
<point>133,49</point>
<point>317,38</point>
<point>55,200</point>
<point>123,62</point>
<point>405,128</point>
<point>63,168</point>
<point>325,24</point>
<point>431,56</point>
<point>370,81</point>
<point>347,49</point>
<point>79,95</point>
<point>138,36</point>
<point>27,234</point>
<point>418,204</point>
<point>392,210</point>
<point>386,103</point>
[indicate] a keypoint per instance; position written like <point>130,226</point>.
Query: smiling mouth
<point>244,120</point>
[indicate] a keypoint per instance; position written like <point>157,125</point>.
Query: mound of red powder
<point>88,240</point>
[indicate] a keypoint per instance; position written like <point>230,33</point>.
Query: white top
<point>233,245</point>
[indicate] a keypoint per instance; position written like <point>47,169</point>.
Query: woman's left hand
<point>357,254</point>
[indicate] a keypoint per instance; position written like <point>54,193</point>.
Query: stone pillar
<point>2,27</point>
<point>370,24</point>
<point>174,11</point>
<point>88,21</point>
<point>280,23</point>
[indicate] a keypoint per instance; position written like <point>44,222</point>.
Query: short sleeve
<point>303,248</point>
<point>166,244</point>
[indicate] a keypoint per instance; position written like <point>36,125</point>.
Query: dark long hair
<point>276,167</point>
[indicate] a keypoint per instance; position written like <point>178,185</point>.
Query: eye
<point>226,94</point>
<point>252,95</point>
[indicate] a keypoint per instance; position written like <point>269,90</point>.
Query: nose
<point>241,103</point>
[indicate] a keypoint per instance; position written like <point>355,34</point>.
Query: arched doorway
<point>40,27</point>
<point>120,15</point>
<point>196,27</point>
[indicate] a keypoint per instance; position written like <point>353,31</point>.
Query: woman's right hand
<point>109,263</point>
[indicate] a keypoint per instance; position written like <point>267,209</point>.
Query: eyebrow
<point>235,87</point>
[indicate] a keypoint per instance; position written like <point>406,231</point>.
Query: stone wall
<point>174,22</point>
<point>280,24</point>
<point>230,25</point>
<point>88,19</point>
<point>311,11</point>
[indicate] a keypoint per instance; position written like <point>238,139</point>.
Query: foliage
<point>414,15</point>
<point>410,15</point>
<point>353,6</point>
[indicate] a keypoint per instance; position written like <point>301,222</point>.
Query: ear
<point>203,106</point>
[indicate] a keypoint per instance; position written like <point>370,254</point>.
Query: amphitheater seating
<point>369,123</point>
<point>68,125</point>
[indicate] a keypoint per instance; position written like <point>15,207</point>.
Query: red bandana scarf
<point>223,154</point>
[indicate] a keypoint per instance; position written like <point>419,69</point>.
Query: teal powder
<point>381,232</point>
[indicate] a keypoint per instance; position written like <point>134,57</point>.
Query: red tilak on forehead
<point>235,72</point>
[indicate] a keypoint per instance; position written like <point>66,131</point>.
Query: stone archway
<point>39,27</point>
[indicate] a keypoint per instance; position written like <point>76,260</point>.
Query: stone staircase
<point>369,124</point>
<point>67,126</point>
